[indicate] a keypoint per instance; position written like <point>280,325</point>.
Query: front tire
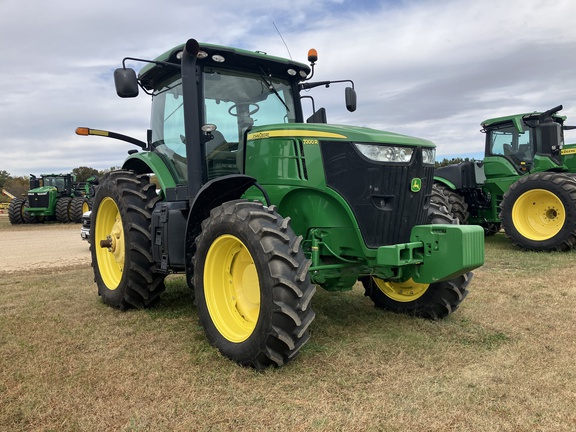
<point>252,286</point>
<point>16,213</point>
<point>121,242</point>
<point>538,212</point>
<point>455,202</point>
<point>433,301</point>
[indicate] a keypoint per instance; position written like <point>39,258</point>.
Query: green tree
<point>452,161</point>
<point>84,173</point>
<point>17,186</point>
<point>4,175</point>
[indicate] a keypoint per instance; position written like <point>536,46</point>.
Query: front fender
<point>211,195</point>
<point>445,182</point>
<point>151,163</point>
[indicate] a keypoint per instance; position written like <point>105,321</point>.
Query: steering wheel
<point>235,114</point>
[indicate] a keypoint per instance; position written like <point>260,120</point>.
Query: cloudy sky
<point>428,68</point>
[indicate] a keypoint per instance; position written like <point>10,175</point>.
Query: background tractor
<point>525,184</point>
<point>51,197</point>
<point>257,205</point>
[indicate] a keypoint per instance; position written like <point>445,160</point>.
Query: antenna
<point>279,34</point>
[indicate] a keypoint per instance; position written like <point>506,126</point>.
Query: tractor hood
<point>42,190</point>
<point>335,133</point>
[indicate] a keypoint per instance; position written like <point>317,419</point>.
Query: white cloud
<point>429,69</point>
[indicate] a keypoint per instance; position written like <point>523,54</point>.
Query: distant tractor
<point>257,205</point>
<point>526,183</point>
<point>51,197</point>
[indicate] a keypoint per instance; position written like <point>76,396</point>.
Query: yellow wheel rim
<point>109,230</point>
<point>232,288</point>
<point>85,206</point>
<point>538,215</point>
<point>406,291</point>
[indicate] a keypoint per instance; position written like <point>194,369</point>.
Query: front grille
<point>35,200</point>
<point>379,194</point>
<point>86,221</point>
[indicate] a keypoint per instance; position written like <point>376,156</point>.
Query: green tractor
<point>525,185</point>
<point>51,197</point>
<point>256,205</point>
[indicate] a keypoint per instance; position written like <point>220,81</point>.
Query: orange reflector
<point>312,55</point>
<point>82,131</point>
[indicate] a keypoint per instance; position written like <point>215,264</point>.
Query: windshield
<point>507,141</point>
<point>233,101</point>
<point>57,182</point>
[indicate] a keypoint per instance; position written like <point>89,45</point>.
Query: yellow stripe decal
<point>98,132</point>
<point>568,151</point>
<point>293,133</point>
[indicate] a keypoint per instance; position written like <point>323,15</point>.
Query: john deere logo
<point>416,185</point>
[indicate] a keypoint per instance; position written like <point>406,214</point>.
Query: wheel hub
<point>406,291</point>
<point>232,288</point>
<point>538,214</point>
<point>111,253</point>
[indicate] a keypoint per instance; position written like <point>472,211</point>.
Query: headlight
<point>382,153</point>
<point>429,156</point>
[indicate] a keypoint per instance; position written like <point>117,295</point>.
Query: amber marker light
<point>312,55</point>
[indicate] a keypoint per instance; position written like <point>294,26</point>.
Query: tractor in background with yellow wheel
<point>525,185</point>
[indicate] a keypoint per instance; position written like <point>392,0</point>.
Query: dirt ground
<point>42,246</point>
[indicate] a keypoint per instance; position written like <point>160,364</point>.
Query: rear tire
<point>16,211</point>
<point>63,209</point>
<point>252,286</point>
<point>121,217</point>
<point>77,206</point>
<point>538,212</point>
<point>433,301</point>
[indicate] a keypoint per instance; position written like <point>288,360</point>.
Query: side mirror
<point>350,94</point>
<point>126,82</point>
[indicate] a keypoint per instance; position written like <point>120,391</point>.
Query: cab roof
<point>234,58</point>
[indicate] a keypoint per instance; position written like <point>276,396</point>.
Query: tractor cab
<point>64,183</point>
<point>523,143</point>
<point>234,102</point>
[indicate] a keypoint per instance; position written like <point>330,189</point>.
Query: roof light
<point>202,54</point>
<point>312,55</point>
<point>291,72</point>
<point>179,55</point>
<point>303,74</point>
<point>218,58</point>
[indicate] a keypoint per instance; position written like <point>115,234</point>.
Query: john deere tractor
<point>525,184</point>
<point>256,205</point>
<point>51,197</point>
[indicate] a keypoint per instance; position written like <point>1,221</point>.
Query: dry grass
<point>503,362</point>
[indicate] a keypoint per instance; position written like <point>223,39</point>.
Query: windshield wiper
<point>273,89</point>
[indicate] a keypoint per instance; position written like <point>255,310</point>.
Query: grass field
<point>505,361</point>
